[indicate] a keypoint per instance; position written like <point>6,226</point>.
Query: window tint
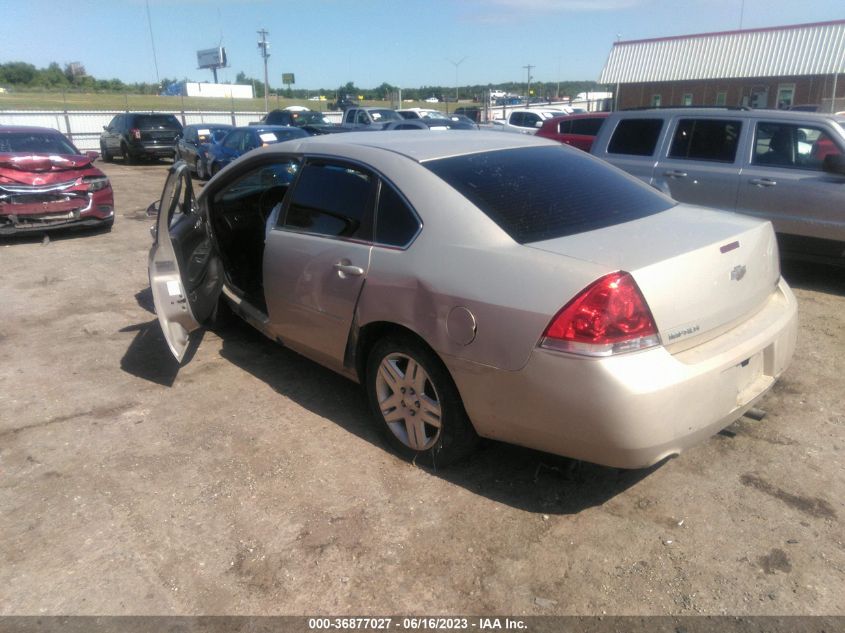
<point>706,139</point>
<point>539,193</point>
<point>530,119</point>
<point>788,145</point>
<point>233,140</point>
<point>517,118</point>
<point>589,127</point>
<point>332,200</point>
<point>636,137</point>
<point>565,126</point>
<point>396,224</point>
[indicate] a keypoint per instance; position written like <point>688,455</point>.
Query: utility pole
<point>528,68</point>
<point>263,45</point>
<point>456,64</point>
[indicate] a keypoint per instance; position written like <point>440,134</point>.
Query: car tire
<point>105,154</point>
<point>416,403</point>
<point>215,169</point>
<point>127,155</point>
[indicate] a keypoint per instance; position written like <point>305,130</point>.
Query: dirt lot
<point>251,481</point>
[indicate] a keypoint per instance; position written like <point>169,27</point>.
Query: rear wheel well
<point>371,333</point>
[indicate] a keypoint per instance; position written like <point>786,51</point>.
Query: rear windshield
<point>282,135</point>
<point>35,142</point>
<point>540,193</point>
<point>157,121</point>
<point>307,118</point>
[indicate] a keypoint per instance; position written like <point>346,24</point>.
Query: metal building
<point>779,67</point>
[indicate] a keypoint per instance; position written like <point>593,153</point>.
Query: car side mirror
<point>834,164</point>
<point>92,155</point>
<point>106,128</point>
<point>538,124</point>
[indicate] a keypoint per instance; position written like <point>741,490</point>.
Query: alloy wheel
<point>408,401</point>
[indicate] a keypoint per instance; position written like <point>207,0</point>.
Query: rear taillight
<point>135,133</point>
<point>610,316</point>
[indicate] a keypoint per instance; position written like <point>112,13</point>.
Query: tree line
<point>72,77</point>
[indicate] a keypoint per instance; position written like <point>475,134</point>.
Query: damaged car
<point>47,183</point>
<point>476,286</point>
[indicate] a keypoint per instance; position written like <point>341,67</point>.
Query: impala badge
<point>738,272</point>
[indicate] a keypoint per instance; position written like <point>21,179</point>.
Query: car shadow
<point>806,275</point>
<point>148,357</point>
<point>518,477</point>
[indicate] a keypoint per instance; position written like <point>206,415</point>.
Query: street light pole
<point>528,68</point>
<point>456,64</point>
<point>263,45</point>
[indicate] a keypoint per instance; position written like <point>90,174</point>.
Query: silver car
<point>485,284</point>
<point>787,167</point>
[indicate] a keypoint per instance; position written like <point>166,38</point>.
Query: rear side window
<point>588,127</point>
<point>540,193</point>
<point>564,127</point>
<point>332,200</point>
<point>706,139</point>
<point>635,137</point>
<point>396,224</point>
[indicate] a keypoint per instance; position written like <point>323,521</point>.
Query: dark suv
<point>134,136</point>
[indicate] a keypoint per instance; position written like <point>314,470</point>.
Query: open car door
<point>186,274</point>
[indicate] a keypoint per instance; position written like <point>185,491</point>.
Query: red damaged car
<point>46,183</point>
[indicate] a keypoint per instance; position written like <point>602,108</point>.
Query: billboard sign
<point>212,58</point>
<point>287,78</point>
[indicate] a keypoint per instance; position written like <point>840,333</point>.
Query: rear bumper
<point>157,150</point>
<point>632,410</point>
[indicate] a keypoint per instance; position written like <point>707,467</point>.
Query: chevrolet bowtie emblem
<point>738,272</point>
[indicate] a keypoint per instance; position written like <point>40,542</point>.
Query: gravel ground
<point>252,481</point>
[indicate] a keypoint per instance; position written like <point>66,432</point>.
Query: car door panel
<point>700,165</point>
<point>794,193</point>
<point>312,285</point>
<point>184,270</point>
<point>316,260</point>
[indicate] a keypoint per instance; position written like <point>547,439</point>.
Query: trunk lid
<point>699,270</point>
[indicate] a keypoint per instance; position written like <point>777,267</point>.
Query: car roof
<point>754,113</point>
<point>412,144</point>
<point>207,125</point>
<point>589,115</point>
<point>29,129</point>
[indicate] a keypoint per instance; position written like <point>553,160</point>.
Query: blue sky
<point>403,42</point>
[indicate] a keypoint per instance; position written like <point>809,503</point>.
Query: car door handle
<point>348,269</point>
<point>675,174</point>
<point>763,182</point>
